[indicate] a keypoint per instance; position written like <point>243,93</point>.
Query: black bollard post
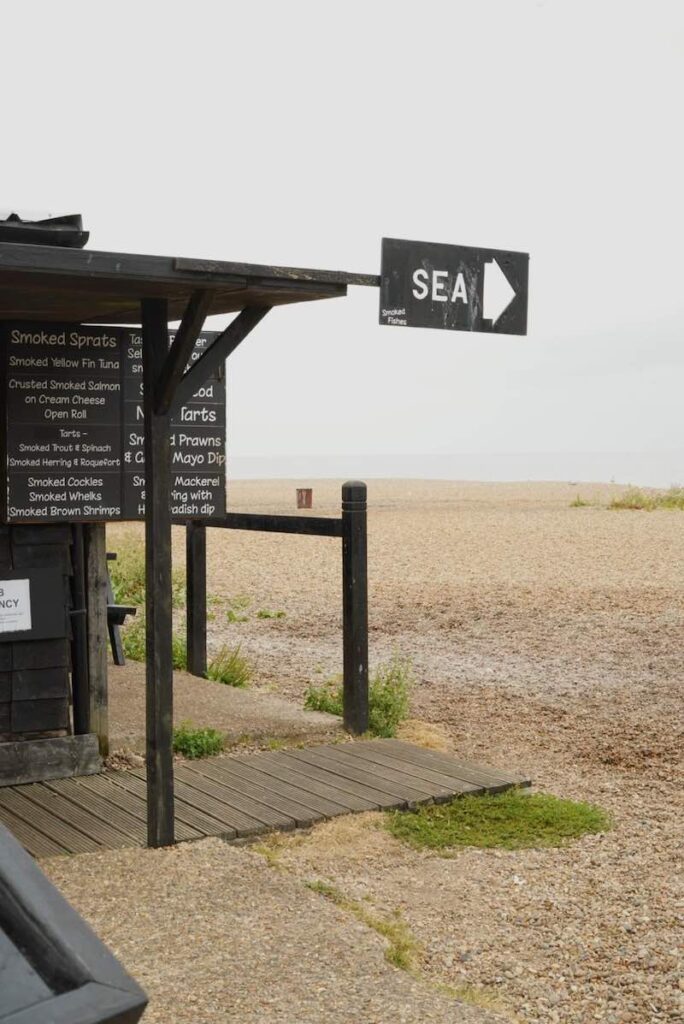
<point>355,606</point>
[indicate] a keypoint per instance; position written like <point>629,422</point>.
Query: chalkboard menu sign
<point>74,438</point>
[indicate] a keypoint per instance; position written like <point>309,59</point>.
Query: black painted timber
<point>317,526</point>
<point>159,625</point>
<point>181,350</point>
<point>196,597</point>
<point>355,606</point>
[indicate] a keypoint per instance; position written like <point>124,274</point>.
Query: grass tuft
<point>403,951</point>
<point>579,502</point>
<point>388,696</point>
<point>638,499</point>
<point>509,821</point>
<point>264,613</point>
<point>127,573</point>
<point>194,742</point>
<point>238,608</point>
<point>133,640</point>
<point>230,667</point>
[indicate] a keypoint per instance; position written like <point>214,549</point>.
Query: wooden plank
<point>301,777</point>
<point>196,597</point>
<point>159,625</point>
<point>44,654</point>
<point>448,784</point>
<point>345,788</point>
<point>355,607</point>
<point>402,783</point>
<point>34,841</point>
<point>451,765</point>
<point>286,273</point>
<point>232,816</point>
<point>72,839</point>
<point>96,600</point>
<point>104,834</point>
<point>55,758</point>
<point>40,684</point>
<point>186,815</point>
<point>220,780</point>
<point>361,783</point>
<point>107,811</point>
<point>316,526</point>
<point>132,800</point>
<point>306,797</point>
<point>39,715</point>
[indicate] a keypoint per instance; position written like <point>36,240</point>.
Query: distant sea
<point>647,469</point>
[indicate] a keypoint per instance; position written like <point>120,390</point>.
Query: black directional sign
<point>453,287</point>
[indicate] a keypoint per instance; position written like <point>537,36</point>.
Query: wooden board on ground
<point>238,797</point>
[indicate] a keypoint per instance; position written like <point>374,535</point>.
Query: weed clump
<point>194,742</point>
<point>637,499</point>
<point>133,640</point>
<point>388,696</point>
<point>127,573</point>
<point>230,667</point>
<point>509,821</point>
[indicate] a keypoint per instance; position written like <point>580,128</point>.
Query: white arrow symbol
<point>498,293</point>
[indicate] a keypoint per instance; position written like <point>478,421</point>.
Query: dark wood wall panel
<point>34,673</point>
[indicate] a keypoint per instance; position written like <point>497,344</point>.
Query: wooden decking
<point>238,797</point>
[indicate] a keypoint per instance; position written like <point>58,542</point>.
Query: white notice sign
<point>15,605</point>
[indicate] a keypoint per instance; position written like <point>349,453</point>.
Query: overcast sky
<point>300,133</point>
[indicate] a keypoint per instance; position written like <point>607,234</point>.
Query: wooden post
<point>80,694</point>
<point>96,603</point>
<point>159,732</point>
<point>196,599</point>
<point>355,606</point>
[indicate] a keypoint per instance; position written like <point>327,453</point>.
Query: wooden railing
<point>351,529</point>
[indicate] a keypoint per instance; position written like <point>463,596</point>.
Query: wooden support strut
<point>181,350</point>
<point>217,353</point>
<point>159,715</point>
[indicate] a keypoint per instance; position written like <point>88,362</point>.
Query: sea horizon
<point>644,469</point>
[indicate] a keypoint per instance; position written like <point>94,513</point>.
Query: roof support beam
<point>181,349</point>
<point>218,352</point>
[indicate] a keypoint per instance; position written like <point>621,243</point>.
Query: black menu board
<point>73,430</point>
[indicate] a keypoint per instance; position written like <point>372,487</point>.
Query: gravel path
<point>545,638</point>
<point>213,934</point>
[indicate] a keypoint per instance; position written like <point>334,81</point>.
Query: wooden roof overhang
<point>51,283</point>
